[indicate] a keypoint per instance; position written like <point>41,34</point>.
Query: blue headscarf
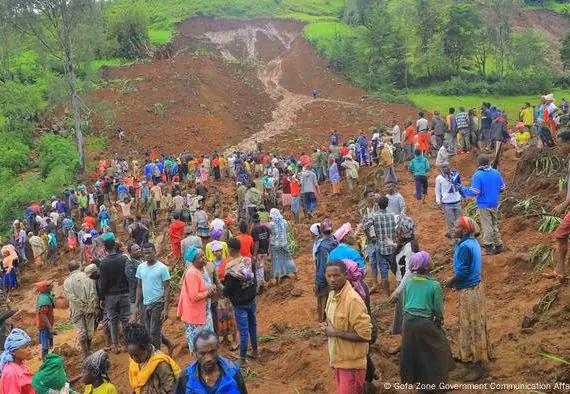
<point>190,254</point>
<point>16,340</point>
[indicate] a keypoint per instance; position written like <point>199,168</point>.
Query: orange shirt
<point>246,245</point>
<point>90,220</point>
<point>295,188</point>
<point>410,133</point>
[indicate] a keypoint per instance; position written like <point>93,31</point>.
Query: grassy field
<point>511,104</point>
<point>163,15</point>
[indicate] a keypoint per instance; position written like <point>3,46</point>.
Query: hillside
<point>213,102</point>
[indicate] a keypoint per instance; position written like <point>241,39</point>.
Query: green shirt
<point>423,296</point>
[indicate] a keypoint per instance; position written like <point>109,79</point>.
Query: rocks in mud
<point>296,292</point>
<point>529,319</point>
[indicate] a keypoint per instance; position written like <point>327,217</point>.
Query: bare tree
<point>55,24</point>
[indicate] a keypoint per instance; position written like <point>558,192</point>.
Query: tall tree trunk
<point>72,82</point>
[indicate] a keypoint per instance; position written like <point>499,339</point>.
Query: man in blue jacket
<point>210,373</point>
<point>326,244</point>
<point>487,185</point>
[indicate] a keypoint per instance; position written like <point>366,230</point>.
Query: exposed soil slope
<point>273,103</point>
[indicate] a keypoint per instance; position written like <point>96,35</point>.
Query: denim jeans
<point>380,263</point>
<point>118,308</point>
<point>246,321</point>
<point>151,318</point>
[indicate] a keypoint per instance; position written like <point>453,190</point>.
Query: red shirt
<point>410,133</point>
<point>295,188</point>
<point>246,245</point>
<point>305,160</point>
<point>286,185</point>
<point>176,231</point>
<point>344,151</point>
<point>90,220</point>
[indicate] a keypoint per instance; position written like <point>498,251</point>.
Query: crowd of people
<point>107,232</point>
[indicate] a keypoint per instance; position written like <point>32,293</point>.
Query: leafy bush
<point>14,155</point>
<point>20,101</point>
<point>527,82</point>
<point>130,30</point>
<point>55,152</point>
<point>460,87</point>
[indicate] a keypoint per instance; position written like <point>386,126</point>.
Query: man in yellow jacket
<point>349,330</point>
<point>387,163</point>
<point>527,117</point>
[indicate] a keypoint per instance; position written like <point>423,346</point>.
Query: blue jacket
<point>344,251</point>
<point>321,258</point>
<point>487,184</point>
<point>231,381</point>
<point>467,263</point>
<point>419,166</point>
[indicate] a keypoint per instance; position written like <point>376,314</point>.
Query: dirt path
<point>270,74</point>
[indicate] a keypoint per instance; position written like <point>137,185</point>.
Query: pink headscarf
<point>420,262</point>
<point>354,276</point>
<point>342,231</point>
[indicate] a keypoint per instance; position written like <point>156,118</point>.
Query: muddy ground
<point>231,83</point>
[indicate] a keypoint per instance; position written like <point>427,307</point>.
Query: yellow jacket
<point>386,158</point>
<point>527,116</point>
<point>346,311</point>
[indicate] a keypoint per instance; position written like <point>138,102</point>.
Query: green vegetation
<point>427,100</point>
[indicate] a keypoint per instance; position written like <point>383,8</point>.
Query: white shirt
<point>422,125</point>
<point>442,194</point>
<point>442,157</point>
<point>396,135</point>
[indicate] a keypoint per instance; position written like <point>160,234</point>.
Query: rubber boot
<point>498,249</point>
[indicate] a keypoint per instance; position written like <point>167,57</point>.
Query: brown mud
<point>234,82</point>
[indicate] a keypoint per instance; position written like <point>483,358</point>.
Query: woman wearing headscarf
<point>355,275</point>
<point>425,355</point>
<point>9,262</point>
<point>96,374</point>
<point>15,375</point>
<point>334,176</point>
<point>216,237</point>
<point>194,304</point>
<point>103,217</point>
<point>282,263</point>
<point>51,378</point>
<point>406,247</point>
<point>345,238</point>
<point>474,347</point>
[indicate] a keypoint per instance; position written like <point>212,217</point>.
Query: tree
<point>529,49</point>
<point>57,25</point>
<point>483,48</point>
<point>387,62</point>
<point>460,24</point>
<point>428,20</point>
<point>565,51</point>
<point>354,11</point>
<point>499,23</point>
<point>130,30</point>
